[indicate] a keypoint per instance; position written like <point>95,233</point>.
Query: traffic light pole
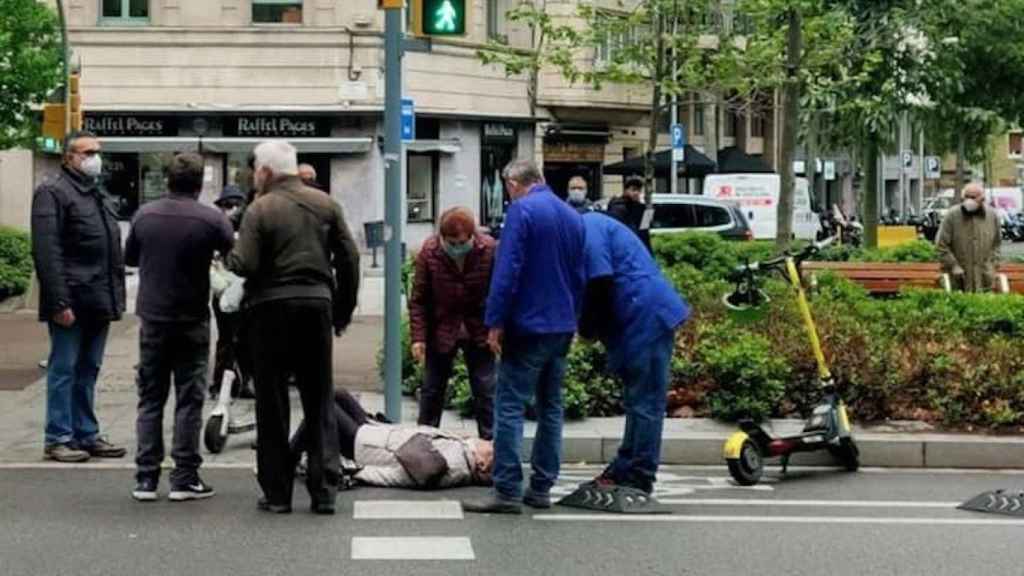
<point>65,56</point>
<point>393,213</point>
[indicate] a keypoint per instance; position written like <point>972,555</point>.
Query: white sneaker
<point>197,490</point>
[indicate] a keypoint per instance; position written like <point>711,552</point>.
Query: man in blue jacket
<point>634,311</point>
<point>535,296</point>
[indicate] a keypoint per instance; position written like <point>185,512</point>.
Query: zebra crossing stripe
<point>412,548</point>
<point>406,510</point>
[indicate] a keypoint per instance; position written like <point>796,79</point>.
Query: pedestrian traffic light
<point>440,17</point>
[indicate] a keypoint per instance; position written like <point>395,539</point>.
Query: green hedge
<point>15,262</point>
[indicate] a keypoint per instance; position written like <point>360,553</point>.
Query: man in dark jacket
<point>629,209</point>
<point>230,350</point>
<point>173,241</point>
<point>76,247</point>
<point>294,247</point>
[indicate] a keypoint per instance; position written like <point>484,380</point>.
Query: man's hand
<point>494,340</point>
<point>419,352</point>
<point>958,271</point>
<point>65,318</point>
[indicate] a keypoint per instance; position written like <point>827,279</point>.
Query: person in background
<point>230,349</point>
<point>76,249</point>
<point>635,312</point>
<point>577,195</point>
<point>446,314</point>
<point>301,268</point>
<point>532,307</point>
<point>173,241</point>
<point>629,209</point>
<point>307,173</point>
<point>968,242</point>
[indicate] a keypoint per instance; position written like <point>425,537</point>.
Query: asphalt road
<point>82,521</point>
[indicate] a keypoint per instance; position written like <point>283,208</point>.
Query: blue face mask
<point>458,250</point>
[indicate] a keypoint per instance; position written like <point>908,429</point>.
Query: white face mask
<point>92,166</point>
<point>577,195</point>
<point>971,205</point>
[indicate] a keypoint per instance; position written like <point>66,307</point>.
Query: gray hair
<point>309,168</point>
<point>74,137</point>
<point>524,172</point>
<point>277,155</point>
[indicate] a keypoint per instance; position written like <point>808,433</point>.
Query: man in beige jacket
<point>968,242</point>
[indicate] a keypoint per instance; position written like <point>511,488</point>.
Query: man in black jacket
<point>298,258</point>
<point>76,247</point>
<point>173,241</point>
<point>629,209</point>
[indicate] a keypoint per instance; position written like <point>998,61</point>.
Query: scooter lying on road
<point>828,428</point>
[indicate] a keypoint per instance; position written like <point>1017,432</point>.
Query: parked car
<point>689,213</point>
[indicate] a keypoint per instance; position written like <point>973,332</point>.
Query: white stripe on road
<point>775,520</point>
<point>113,465</point>
<point>816,503</point>
<point>412,548</point>
<point>406,510</point>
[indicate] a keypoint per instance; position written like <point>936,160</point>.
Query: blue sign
<point>678,136</point>
<point>408,120</point>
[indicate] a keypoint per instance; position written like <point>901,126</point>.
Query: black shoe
<point>537,500</point>
<point>194,490</point>
<point>145,490</point>
<point>265,505</point>
<point>323,508</point>
<point>492,504</point>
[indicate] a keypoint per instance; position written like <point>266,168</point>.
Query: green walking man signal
<point>440,17</point>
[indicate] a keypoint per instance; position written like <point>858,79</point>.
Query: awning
<point>449,146</point>
<point>732,160</point>
<point>695,165</point>
<point>303,145</point>
<point>159,144</point>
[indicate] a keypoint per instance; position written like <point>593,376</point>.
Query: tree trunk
<point>710,106</point>
<point>961,151</point>
<point>871,191</point>
<point>652,139</point>
<point>790,123</point>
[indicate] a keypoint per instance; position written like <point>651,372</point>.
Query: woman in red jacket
<point>446,312</point>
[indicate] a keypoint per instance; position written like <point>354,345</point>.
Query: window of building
<point>497,21</point>
<point>618,39</point>
<point>756,126</point>
<point>698,119</point>
<point>277,11</point>
<point>1016,145</point>
<point>730,121</point>
<point>125,10</point>
<point>421,182</point>
<point>132,179</point>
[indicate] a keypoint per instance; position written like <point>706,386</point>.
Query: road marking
<point>406,510</point>
<point>822,503</point>
<point>775,520</point>
<point>113,466</point>
<point>418,548</point>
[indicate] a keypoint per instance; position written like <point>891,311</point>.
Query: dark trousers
<point>231,350</point>
<point>181,349</point>
<point>480,364</point>
<point>349,416</point>
<point>295,337</point>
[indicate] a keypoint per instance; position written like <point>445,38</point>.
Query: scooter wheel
<point>748,468</point>
<point>212,437</point>
<point>847,454</point>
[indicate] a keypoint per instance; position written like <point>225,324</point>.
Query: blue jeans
<point>531,365</point>
<point>645,378</point>
<point>76,354</point>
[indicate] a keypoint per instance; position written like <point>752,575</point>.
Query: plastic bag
<point>231,299</point>
<point>219,280</point>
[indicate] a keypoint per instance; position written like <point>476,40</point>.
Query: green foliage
<point>30,66</point>
<point>751,378</point>
<point>15,262</point>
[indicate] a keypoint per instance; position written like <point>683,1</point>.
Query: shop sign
<point>573,152</point>
<point>277,127</point>
<point>130,125</point>
<point>499,132</point>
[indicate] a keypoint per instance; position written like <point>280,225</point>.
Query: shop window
<point>421,183</point>
<point>131,180</point>
<point>121,11</point>
<point>277,11</point>
<point>698,118</point>
<point>497,21</point>
<point>493,196</point>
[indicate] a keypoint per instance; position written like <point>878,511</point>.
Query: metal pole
<point>920,172</point>
<point>393,214</point>
<point>903,170</point>
<point>67,66</point>
<point>674,169</point>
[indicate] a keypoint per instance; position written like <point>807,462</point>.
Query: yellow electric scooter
<point>828,428</point>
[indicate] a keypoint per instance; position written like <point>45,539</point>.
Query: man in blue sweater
<point>535,298</point>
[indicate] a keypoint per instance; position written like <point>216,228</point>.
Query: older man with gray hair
<point>297,256</point>
<point>968,242</point>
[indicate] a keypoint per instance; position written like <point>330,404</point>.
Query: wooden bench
<point>890,277</point>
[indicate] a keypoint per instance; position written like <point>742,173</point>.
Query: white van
<point>758,196</point>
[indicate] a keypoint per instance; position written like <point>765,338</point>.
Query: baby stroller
<point>226,418</point>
